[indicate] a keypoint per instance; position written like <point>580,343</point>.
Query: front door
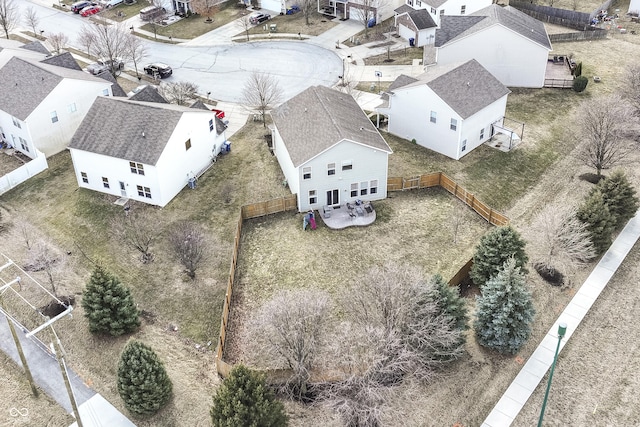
<point>332,197</point>
<point>123,190</point>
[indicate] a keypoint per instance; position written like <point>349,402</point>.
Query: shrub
<point>108,305</point>
<point>244,399</point>
<point>143,383</point>
<point>599,220</point>
<point>619,196</point>
<point>449,302</point>
<point>578,71</point>
<point>580,83</point>
<point>496,247</point>
<point>505,310</point>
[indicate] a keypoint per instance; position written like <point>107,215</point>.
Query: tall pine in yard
<point>494,249</point>
<point>143,383</point>
<point>504,311</point>
<point>449,302</point>
<point>108,305</point>
<point>244,400</point>
<point>619,196</point>
<point>595,213</point>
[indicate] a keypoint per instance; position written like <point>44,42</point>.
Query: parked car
<point>110,3</point>
<point>79,5</point>
<point>219,113</point>
<point>258,18</point>
<point>158,69</point>
<point>90,10</point>
<point>105,65</point>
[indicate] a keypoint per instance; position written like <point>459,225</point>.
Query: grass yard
<point>398,57</point>
<point>294,24</point>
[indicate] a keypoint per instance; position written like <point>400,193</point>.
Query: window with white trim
<point>16,122</point>
<point>454,124</point>
<point>137,168</point>
<point>306,172</point>
<point>481,134</point>
<point>442,12</point>
<point>354,190</point>
<point>211,127</point>
<point>72,107</point>
<point>105,92</point>
<point>373,186</point>
<point>105,182</point>
<point>433,117</point>
<point>418,3</point>
<point>364,188</point>
<point>144,191</point>
<point>313,197</point>
<point>331,169</point>
<point>464,145</point>
<point>84,177</point>
<point>23,144</point>
<point>347,165</point>
<point>187,144</point>
<point>463,9</point>
<point>433,11</point>
<point>54,117</point>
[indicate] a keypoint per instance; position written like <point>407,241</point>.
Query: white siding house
<point>634,6</point>
<point>513,46</point>
<point>449,109</point>
<point>415,24</point>
<point>439,8</point>
<point>144,151</point>
<point>43,104</point>
<point>359,10</point>
<point>329,151</point>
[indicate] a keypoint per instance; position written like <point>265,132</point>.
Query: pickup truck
<point>106,65</point>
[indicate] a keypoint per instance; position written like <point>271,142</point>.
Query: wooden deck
<point>343,217</point>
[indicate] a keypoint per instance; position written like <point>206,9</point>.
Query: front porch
<point>348,215</point>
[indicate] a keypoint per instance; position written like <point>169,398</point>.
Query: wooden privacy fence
<point>247,211</point>
<point>439,179</point>
<point>595,34</point>
<point>553,15</point>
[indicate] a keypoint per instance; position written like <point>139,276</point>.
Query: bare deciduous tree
<point>107,42</point>
<point>261,93</point>
<point>601,128</point>
<point>458,216</point>
<point>245,24</point>
<point>630,82</point>
<point>138,231</point>
<point>87,38</point>
<point>364,11</point>
<point>205,7</point>
<point>58,42</point>
<point>288,332</point>
<point>43,256</point>
<point>136,51</point>
<point>559,239</point>
<point>31,19</point>
<point>179,92</point>
<point>189,244</point>
<point>308,7</point>
<point>9,16</point>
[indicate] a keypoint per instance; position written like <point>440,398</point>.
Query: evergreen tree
<point>143,383</point>
<point>496,247</point>
<point>580,83</point>
<point>449,302</point>
<point>619,196</point>
<point>505,310</point>
<point>244,400</point>
<point>108,305</point>
<point>600,223</point>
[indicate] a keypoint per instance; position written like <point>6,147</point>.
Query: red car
<point>90,10</point>
<point>219,113</point>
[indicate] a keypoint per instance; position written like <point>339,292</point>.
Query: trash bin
<point>412,41</point>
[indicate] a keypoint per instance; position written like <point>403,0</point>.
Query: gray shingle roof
<point>115,127</point>
<point>452,27</point>
<point>149,94</point>
<point>318,118</point>
<point>116,89</point>
<point>400,81</point>
<point>24,84</point>
<point>199,105</point>
<point>467,88</point>
<point>65,60</point>
<point>403,9</point>
<point>422,18</point>
<point>435,3</point>
<point>36,46</point>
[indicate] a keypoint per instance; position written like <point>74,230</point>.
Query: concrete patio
<point>348,215</point>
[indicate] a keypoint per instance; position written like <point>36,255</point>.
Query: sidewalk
<point>534,371</point>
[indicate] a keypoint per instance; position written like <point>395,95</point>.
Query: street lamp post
<point>562,328</point>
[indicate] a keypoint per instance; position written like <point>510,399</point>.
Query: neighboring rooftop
<point>318,118</point>
<point>422,19</point>
<point>36,46</point>
<point>148,94</point>
<point>65,60</point>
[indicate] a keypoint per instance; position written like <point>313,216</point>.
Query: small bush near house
<point>143,382</point>
<point>580,83</point>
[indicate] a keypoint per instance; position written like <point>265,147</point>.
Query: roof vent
<point>143,134</point>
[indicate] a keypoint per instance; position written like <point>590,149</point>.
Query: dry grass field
<point>541,171</point>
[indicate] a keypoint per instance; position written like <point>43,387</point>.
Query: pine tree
<point>449,302</point>
<point>496,247</point>
<point>244,399</point>
<point>108,305</point>
<point>600,223</point>
<point>619,196</point>
<point>504,311</point>
<point>143,383</point>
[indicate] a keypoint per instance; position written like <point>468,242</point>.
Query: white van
<point>109,3</point>
<point>151,13</point>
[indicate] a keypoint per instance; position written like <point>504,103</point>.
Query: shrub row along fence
<point>247,211</point>
<point>442,180</point>
<point>288,203</point>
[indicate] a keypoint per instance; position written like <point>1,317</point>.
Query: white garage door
<point>406,32</point>
<point>271,5</point>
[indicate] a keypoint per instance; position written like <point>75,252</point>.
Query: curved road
<point>221,70</point>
